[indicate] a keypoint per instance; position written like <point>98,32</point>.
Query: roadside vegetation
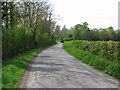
<point>106,49</point>
<point>97,54</point>
<point>27,28</point>
<point>14,69</point>
<point>97,47</point>
<point>26,25</point>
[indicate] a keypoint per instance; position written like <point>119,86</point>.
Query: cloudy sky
<point>98,13</point>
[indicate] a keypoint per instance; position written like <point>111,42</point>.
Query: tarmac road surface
<point>55,68</point>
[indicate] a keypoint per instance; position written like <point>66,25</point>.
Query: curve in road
<point>55,68</point>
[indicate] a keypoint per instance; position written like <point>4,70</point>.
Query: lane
<point>55,68</point>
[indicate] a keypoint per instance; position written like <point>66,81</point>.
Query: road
<point>55,68</point>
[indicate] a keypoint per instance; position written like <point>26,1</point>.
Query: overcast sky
<point>98,13</point>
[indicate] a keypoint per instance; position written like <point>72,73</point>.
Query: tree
<point>27,25</point>
<point>82,32</point>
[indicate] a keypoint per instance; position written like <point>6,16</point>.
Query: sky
<point>98,13</point>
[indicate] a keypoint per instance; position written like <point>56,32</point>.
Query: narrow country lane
<point>55,68</point>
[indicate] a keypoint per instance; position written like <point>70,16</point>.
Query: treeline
<point>26,25</point>
<point>83,32</point>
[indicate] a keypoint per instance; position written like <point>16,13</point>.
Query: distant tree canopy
<point>82,32</point>
<point>63,34</point>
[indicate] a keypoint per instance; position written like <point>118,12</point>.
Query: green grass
<point>98,62</point>
<point>14,69</point>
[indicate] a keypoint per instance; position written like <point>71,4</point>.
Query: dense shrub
<point>101,63</point>
<point>107,49</point>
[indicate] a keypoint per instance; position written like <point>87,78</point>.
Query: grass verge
<point>14,69</point>
<point>103,64</point>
